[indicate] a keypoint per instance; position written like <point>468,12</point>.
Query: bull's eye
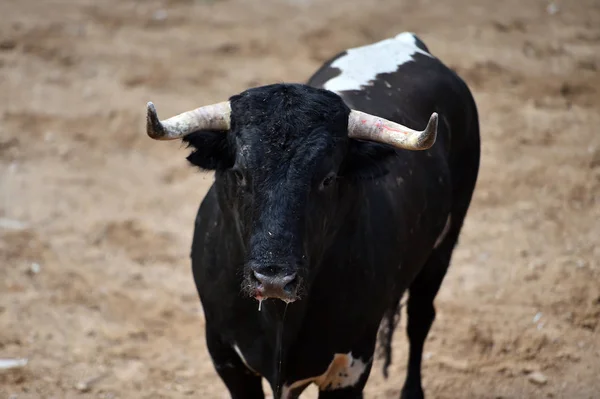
<point>239,176</point>
<point>328,180</point>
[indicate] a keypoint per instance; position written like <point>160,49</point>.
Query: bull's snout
<point>275,282</point>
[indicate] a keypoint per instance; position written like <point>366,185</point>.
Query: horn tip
<point>154,128</point>
<point>434,118</point>
<point>430,135</point>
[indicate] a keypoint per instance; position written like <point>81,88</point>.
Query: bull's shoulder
<point>359,67</point>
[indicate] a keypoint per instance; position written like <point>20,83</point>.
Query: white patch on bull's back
<point>360,65</point>
<point>442,235</point>
<point>343,371</point>
<point>239,353</point>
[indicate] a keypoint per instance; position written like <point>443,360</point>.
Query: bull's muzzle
<point>274,282</point>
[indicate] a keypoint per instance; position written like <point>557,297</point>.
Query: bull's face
<point>278,191</point>
<point>286,146</point>
<point>278,152</point>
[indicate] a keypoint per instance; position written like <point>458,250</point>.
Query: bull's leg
<point>424,288</point>
<point>421,311</point>
<point>239,380</point>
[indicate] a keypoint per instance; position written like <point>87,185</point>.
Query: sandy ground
<point>96,218</point>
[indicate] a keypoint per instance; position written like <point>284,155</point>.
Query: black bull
<point>328,232</point>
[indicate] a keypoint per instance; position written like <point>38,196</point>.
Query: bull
<point>331,200</point>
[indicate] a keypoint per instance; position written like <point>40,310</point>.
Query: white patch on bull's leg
<point>360,65</point>
<point>239,353</point>
<point>343,371</point>
<point>441,237</point>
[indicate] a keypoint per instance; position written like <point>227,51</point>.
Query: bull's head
<point>278,152</point>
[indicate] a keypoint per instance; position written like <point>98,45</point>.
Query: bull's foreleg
<point>241,382</point>
<point>421,312</point>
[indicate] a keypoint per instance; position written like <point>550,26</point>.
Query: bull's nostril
<point>288,279</point>
<point>290,286</point>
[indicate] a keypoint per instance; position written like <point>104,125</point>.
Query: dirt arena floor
<point>96,219</point>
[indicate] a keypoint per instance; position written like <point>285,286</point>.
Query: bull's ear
<point>210,150</point>
<point>366,160</point>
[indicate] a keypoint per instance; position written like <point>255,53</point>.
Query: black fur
<point>210,150</point>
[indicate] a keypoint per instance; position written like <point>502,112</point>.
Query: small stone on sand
<point>537,378</point>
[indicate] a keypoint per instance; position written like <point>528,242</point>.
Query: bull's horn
<point>209,117</point>
<point>373,128</point>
